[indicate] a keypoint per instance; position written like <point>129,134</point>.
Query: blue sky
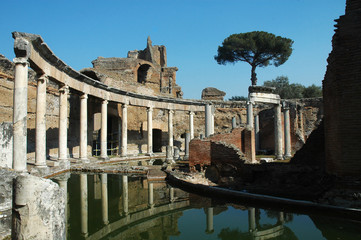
<point>80,31</point>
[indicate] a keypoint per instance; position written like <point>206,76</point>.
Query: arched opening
<point>142,73</point>
<point>157,140</point>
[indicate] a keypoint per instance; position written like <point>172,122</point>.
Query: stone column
<point>104,178</point>
<point>212,120</point>
<point>191,126</point>
<point>19,114</point>
<point>256,131</point>
<point>63,124</point>
<point>84,204</point>
<point>150,195</point>
<point>124,149</point>
<point>171,194</point>
<point>208,120</point>
<point>234,123</point>
<point>170,128</point>
<point>125,194</point>
<point>252,219</point>
<point>40,129</point>
<point>150,130</point>
<point>83,151</point>
<point>209,213</point>
<point>287,132</point>
<point>250,115</point>
<point>104,131</point>
<point>278,132</point>
<point>186,143</point>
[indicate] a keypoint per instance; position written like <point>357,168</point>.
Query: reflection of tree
<point>233,234</point>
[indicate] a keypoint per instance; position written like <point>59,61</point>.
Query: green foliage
<point>259,49</point>
<point>294,90</point>
<point>238,98</point>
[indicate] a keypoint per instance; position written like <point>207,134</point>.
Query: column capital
<point>191,113</point>
<point>84,96</point>
<point>149,109</point>
<point>64,89</point>
<point>170,111</point>
<point>105,101</point>
<point>43,78</point>
<point>21,60</point>
<point>124,105</point>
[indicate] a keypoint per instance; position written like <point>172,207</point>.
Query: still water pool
<point>106,206</point>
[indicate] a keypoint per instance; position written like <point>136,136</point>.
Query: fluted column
<point>63,123</point>
<point>287,132</point>
<point>191,125</point>
<point>150,130</point>
<point>83,153</point>
<point>104,130</point>
<point>40,130</point>
<point>208,120</point>
<point>278,132</point>
<point>250,123</point>
<point>20,114</point>
<point>124,148</point>
<point>104,179</point>
<point>84,204</point>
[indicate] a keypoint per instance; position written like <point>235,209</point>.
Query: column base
<point>104,158</point>
<point>64,162</point>
<point>42,170</point>
<point>84,160</point>
<point>287,156</point>
<point>149,154</point>
<point>279,157</point>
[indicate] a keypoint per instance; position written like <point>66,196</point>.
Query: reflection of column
<point>150,130</point>
<point>150,195</point>
<point>281,218</point>
<point>20,114</point>
<point>256,131</point>
<point>124,149</point>
<point>40,135</point>
<point>171,194</point>
<point>278,132</point>
<point>191,126</point>
<point>187,140</point>
<point>63,123</point>
<point>250,115</point>
<point>287,131</point>
<point>208,120</point>
<point>63,183</point>
<point>252,219</point>
<point>104,130</point>
<point>209,213</point>
<point>84,204</point>
<point>83,151</point>
<point>125,194</point>
<point>104,178</point>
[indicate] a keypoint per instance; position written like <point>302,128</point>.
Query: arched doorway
<point>142,73</point>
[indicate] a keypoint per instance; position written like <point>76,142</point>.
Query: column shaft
<point>278,132</point>
<point>256,131</point>
<point>20,114</point>
<point>150,130</point>
<point>83,153</point>
<point>250,115</point>
<point>234,123</point>
<point>191,126</point>
<point>125,194</point>
<point>40,130</point>
<point>170,128</point>
<point>287,132</point>
<point>104,131</point>
<point>63,123</point>
<point>252,219</point>
<point>150,194</point>
<point>124,130</point>
<point>104,178</point>
<point>209,220</point>
<point>84,204</point>
<point>208,120</point>
<point>186,143</point>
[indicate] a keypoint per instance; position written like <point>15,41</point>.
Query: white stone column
<point>104,131</point>
<point>191,125</point>
<point>250,123</point>
<point>104,178</point>
<point>84,204</point>
<point>19,114</point>
<point>208,120</point>
<point>40,119</point>
<point>234,123</point>
<point>209,213</point>
<point>125,195</point>
<point>212,120</point>
<point>63,124</point>
<point>170,127</point>
<point>278,132</point>
<point>150,195</point>
<point>256,131</point>
<point>186,145</point>
<point>287,131</point>
<point>83,151</point>
<point>150,130</point>
<point>124,149</point>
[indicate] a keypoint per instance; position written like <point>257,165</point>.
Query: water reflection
<point>101,206</point>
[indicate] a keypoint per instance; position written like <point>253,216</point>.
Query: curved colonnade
<point>31,50</point>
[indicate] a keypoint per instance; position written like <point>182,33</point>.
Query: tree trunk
<point>253,75</point>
